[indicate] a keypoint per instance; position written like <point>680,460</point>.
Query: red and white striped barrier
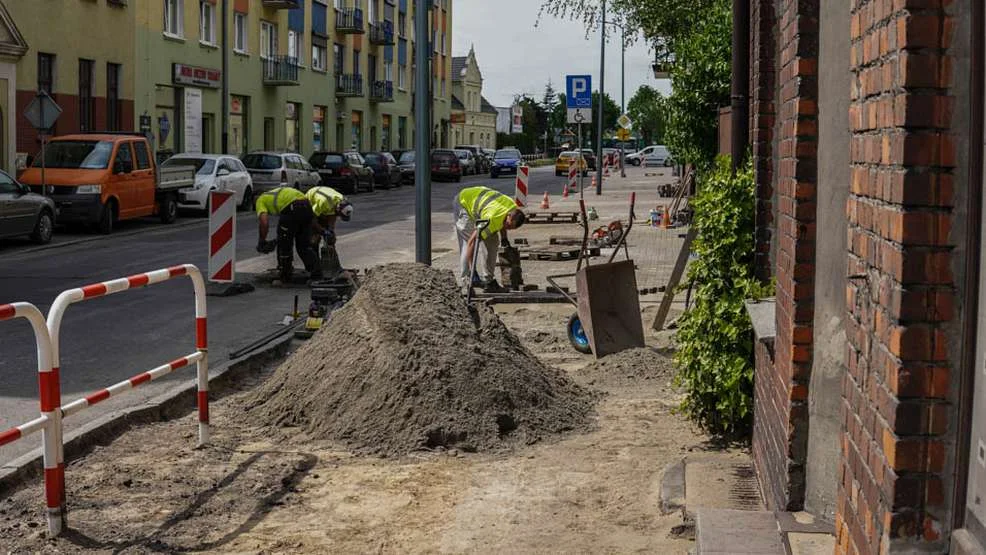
<point>573,172</point>
<point>222,236</point>
<point>49,423</point>
<point>523,178</point>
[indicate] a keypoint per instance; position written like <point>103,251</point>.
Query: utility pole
<point>422,133</point>
<point>740,85</point>
<point>225,78</point>
<point>623,91</point>
<point>602,103</point>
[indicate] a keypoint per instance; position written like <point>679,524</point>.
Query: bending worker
<point>328,206</point>
<point>294,224</point>
<point>482,203</point>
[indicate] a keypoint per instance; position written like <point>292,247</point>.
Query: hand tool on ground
<point>481,226</point>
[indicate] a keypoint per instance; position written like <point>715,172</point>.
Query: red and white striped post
<point>222,237</point>
<point>573,172</point>
<point>523,178</point>
<point>49,423</point>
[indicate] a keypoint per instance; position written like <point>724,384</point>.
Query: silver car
<point>468,162</point>
<point>23,212</point>
<point>273,169</point>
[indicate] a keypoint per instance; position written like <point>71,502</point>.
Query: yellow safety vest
<point>325,200</point>
<point>276,200</point>
<point>483,203</point>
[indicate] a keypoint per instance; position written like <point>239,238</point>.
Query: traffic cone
<point>544,202</point>
<point>564,195</point>
<point>593,185</point>
<point>666,218</point>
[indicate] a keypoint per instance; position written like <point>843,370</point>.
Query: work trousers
<point>464,228</point>
<point>294,228</point>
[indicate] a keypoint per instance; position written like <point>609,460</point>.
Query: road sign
<point>623,135</point>
<point>580,115</point>
<point>624,121</point>
<point>578,91</point>
<point>42,112</point>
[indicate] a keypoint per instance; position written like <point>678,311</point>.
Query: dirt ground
<point>262,491</point>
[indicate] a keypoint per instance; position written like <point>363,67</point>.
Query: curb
<point>174,403</point>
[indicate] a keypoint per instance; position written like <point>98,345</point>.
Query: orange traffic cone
<point>593,185</point>
<point>544,202</point>
<point>666,218</point>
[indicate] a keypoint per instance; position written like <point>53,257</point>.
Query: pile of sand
<point>627,368</point>
<point>405,366</point>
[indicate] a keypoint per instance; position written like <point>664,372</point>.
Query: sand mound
<point>628,367</point>
<point>403,367</point>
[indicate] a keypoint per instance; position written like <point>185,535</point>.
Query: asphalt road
<point>107,340</point>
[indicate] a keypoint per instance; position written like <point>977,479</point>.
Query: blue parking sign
<point>578,91</point>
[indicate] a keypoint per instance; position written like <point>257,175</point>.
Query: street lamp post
<point>602,103</point>
<point>623,85</point>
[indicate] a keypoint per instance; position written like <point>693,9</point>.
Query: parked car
<point>273,169</point>
<point>102,178</point>
<point>505,161</point>
<point>407,165</point>
<point>346,172</point>
<point>445,165</point>
<point>23,212</point>
<point>213,172</point>
<point>565,161</point>
<point>661,151</point>
<point>482,161</point>
<point>468,162</point>
<point>659,157</point>
<point>386,172</point>
<point>590,158</point>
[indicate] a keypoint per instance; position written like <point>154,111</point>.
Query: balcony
<point>280,71</point>
<point>382,33</point>
<point>382,91</point>
<point>282,4</point>
<point>349,21</point>
<point>349,85</point>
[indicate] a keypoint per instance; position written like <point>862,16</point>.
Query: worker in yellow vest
<point>473,204</point>
<point>328,205</point>
<point>294,225</point>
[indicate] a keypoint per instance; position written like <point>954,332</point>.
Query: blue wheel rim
<point>578,333</point>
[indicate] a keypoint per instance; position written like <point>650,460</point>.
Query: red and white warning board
<point>572,174</point>
<point>523,178</point>
<point>222,236</point>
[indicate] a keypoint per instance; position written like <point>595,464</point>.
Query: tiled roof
<point>457,104</point>
<point>487,107</point>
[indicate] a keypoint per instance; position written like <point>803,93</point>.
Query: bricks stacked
<point>900,294</point>
<point>780,435</point>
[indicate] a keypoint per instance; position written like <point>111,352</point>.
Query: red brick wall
<point>780,436</point>
<point>762,89</point>
<point>900,292</point>
<point>68,122</point>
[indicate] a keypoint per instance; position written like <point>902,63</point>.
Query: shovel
<point>481,226</point>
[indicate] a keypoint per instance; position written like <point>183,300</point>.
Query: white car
<point>213,172</point>
<point>654,155</point>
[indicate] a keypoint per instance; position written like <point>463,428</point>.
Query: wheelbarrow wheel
<point>577,336</point>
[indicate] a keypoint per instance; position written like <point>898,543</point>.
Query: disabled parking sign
<point>578,98</point>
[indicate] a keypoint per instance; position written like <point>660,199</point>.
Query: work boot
<point>492,286</point>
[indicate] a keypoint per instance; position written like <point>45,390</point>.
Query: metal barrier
<point>49,423</point>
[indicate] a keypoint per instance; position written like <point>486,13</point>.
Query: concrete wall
<point>828,368</point>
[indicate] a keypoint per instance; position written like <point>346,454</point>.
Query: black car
<point>590,158</point>
<point>407,166</point>
<point>343,171</point>
<point>386,172</point>
<point>445,165</point>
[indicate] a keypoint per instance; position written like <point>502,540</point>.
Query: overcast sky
<point>516,57</point>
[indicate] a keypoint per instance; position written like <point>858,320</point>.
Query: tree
<point>548,105</point>
<point>611,113</point>
<point>647,111</point>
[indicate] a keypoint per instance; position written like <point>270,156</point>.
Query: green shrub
<point>715,339</point>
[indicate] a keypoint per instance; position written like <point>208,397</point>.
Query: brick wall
<point>762,88</point>
<point>900,293</point>
<point>781,416</point>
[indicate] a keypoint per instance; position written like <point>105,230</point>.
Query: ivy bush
<point>715,339</point>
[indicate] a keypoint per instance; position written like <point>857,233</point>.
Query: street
<point>108,340</point>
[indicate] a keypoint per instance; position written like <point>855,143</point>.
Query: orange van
<point>100,179</point>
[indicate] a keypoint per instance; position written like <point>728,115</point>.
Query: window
<point>373,11</point>
<point>319,54</point>
<point>443,43</point>
<point>434,39</point>
<point>388,71</point>
<point>113,116</point>
<point>295,46</point>
<point>7,185</point>
<point>443,88</point>
<point>174,23</point>
<point>207,22</point>
<point>123,154</point>
<point>143,159</point>
<point>338,55</point>
<point>46,72</point>
<point>86,69</point>
<point>402,24</point>
<point>356,62</point>
<point>268,39</point>
<point>240,32</point>
<point>402,76</point>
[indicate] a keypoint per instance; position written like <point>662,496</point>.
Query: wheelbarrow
<point>607,317</point>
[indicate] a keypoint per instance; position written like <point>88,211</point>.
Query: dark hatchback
<point>505,162</point>
<point>445,165</point>
<point>386,172</point>
<point>345,172</point>
<point>406,163</point>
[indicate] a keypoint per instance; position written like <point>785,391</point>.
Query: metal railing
<point>382,33</point>
<point>350,20</point>
<point>280,70</point>
<point>348,84</point>
<point>382,91</point>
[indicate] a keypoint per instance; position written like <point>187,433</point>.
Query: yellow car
<point>565,161</point>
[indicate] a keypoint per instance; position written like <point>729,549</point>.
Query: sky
<point>517,57</point>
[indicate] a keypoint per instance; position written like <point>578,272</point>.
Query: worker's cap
<point>345,210</point>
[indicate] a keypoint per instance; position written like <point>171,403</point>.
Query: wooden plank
<point>679,270</point>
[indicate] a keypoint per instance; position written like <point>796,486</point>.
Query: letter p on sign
<point>579,91</point>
